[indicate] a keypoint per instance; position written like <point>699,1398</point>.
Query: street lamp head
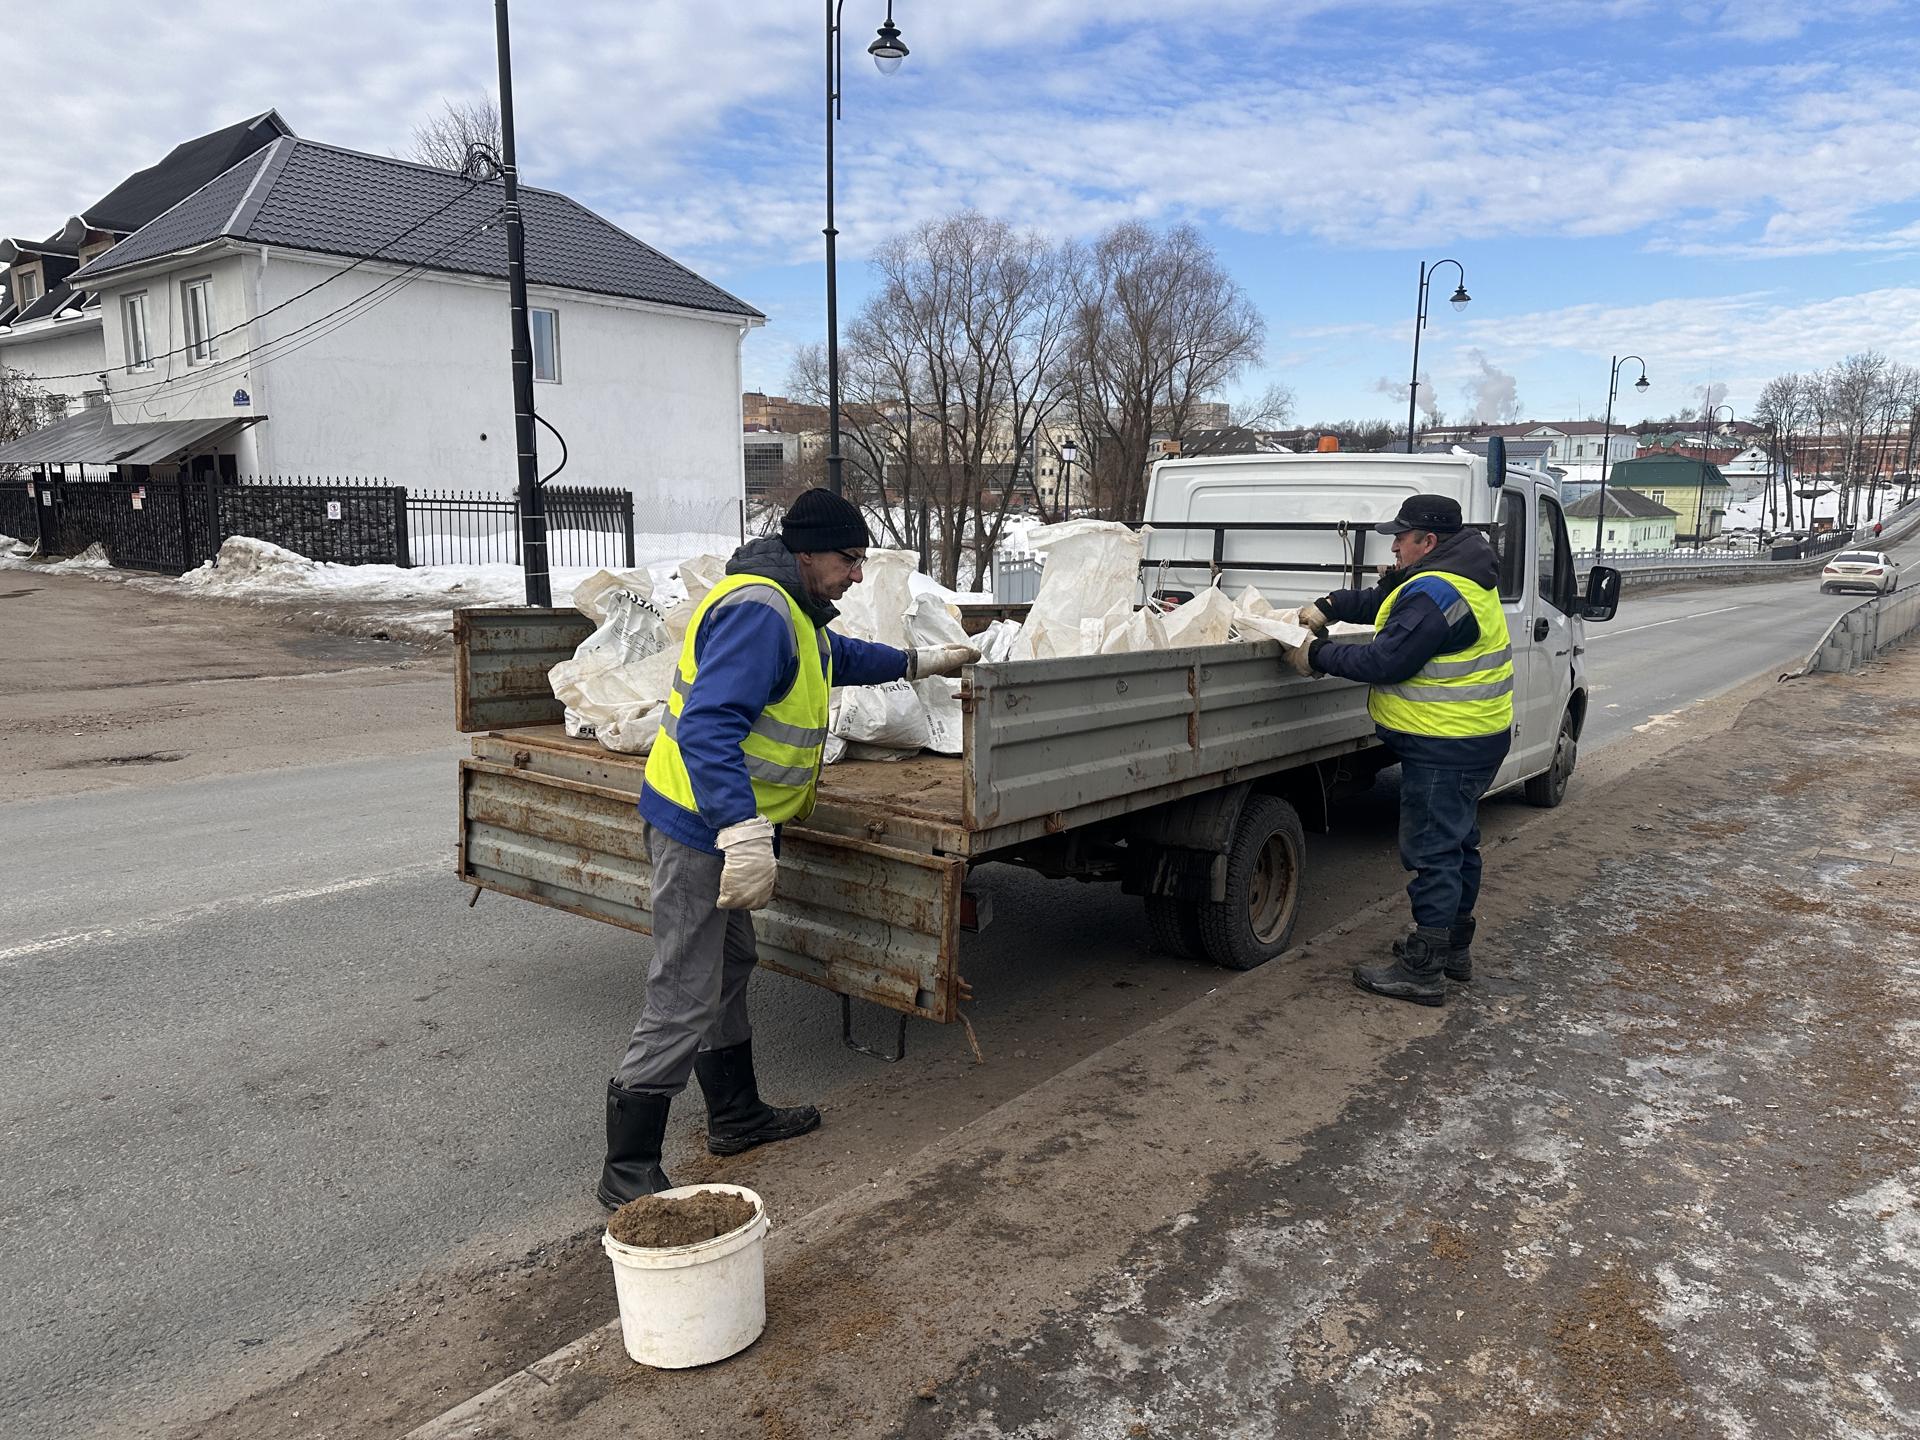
<point>889,50</point>
<point>1460,296</point>
<point>1069,451</point>
<point>1641,384</point>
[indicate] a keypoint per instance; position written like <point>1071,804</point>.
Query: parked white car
<point>1860,570</point>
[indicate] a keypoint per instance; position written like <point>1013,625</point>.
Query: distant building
<point>1573,446</point>
<point>1694,490</point>
<point>1634,522</point>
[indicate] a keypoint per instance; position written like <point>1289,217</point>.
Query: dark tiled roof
<point>1629,503</point>
<point>188,166</point>
<point>301,195</point>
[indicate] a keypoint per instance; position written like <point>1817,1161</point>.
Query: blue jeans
<point>1440,839</point>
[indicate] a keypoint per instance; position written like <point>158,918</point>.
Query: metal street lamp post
<point>888,50</point>
<point>1700,496</point>
<point>1069,456</point>
<point>1460,299</point>
<point>1606,441</point>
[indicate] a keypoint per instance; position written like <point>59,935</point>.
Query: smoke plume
<point>1493,393</point>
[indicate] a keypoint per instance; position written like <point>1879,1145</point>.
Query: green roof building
<point>1697,493</point>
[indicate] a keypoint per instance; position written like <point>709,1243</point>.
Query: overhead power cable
<point>260,355</point>
<point>378,254</point>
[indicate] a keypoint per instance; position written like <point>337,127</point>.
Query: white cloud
<point>1738,341</point>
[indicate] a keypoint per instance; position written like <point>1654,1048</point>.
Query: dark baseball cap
<point>1438,513</point>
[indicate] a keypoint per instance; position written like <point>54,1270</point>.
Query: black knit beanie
<point>822,520</point>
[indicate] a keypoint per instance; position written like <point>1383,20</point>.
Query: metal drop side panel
<point>1052,744</point>
<point>866,920</point>
<point>504,653</point>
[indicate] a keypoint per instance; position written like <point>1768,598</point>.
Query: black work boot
<point>1459,958</point>
<point>1458,962</point>
<point>1415,971</point>
<point>737,1118</point>
<point>636,1124</point>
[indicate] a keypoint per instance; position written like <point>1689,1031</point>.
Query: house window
<point>546,345</point>
<point>196,305</point>
<point>27,283</point>
<point>1659,497</point>
<point>133,311</point>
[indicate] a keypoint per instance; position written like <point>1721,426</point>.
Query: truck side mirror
<point>1603,593</point>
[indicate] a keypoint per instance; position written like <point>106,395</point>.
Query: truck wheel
<point>1255,921</point>
<point>1175,925</point>
<point>1549,789</point>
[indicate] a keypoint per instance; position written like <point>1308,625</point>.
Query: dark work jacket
<point>1416,631</point>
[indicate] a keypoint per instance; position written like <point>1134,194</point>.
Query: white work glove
<point>746,883</point>
<point>940,660</point>
<point>1294,657</point>
<point>1314,618</point>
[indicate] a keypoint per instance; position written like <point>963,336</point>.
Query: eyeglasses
<point>850,557</point>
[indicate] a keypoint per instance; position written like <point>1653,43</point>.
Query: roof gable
<point>189,165</point>
<point>301,195</point>
<point>1628,504</point>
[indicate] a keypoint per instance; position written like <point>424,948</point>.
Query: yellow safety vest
<point>1457,695</point>
<point>784,747</point>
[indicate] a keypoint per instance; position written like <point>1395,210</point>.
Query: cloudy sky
<point>1730,188</point>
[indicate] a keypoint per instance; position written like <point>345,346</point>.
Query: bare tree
<point>948,373</point>
<point>444,141</point>
<point>1783,407</point>
<point>24,407</point>
<point>1272,411</point>
<point>1158,325</point>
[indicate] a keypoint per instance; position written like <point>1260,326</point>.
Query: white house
<point>1634,523</point>
<point>310,310</point>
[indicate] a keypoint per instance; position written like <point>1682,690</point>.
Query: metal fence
<point>174,525</point>
<point>586,527</point>
<point>19,510</point>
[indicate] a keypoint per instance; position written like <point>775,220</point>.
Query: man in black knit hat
<point>737,757</point>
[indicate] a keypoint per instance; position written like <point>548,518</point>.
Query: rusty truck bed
<point>915,800</point>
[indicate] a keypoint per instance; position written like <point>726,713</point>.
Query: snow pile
<point>14,555</point>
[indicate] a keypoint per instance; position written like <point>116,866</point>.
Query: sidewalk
<point>1656,1172</point>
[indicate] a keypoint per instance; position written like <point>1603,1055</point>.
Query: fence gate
<point>142,525</point>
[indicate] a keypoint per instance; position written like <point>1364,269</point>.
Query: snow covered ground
<point>413,604</point>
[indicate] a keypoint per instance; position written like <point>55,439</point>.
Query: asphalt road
<point>263,1061</point>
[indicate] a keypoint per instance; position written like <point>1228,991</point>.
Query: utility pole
<point>533,509</point>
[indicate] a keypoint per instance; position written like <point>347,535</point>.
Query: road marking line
<point>172,919</point>
<point>1609,634</point>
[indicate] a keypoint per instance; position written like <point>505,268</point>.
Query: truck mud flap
<point>864,920</point>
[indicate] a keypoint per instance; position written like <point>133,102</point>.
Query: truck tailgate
<point>870,920</point>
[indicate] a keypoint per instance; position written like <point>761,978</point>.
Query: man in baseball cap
<point>1440,665</point>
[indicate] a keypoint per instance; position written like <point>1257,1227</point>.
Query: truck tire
<point>1264,863</point>
<point>1549,788</point>
<point>1175,925</point>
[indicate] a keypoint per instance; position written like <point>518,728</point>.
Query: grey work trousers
<point>697,984</point>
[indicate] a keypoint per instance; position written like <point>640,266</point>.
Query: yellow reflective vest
<point>783,749</point>
<point>1463,693</point>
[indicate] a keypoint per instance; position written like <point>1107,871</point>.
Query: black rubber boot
<point>1414,973</point>
<point>636,1124</point>
<point>737,1118</point>
<point>1458,962</point>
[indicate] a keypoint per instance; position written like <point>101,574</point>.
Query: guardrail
<point>1863,633</point>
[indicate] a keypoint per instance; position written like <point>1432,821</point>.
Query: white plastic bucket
<point>693,1304</point>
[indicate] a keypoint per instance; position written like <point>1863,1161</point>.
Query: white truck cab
<point>1298,526</point>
